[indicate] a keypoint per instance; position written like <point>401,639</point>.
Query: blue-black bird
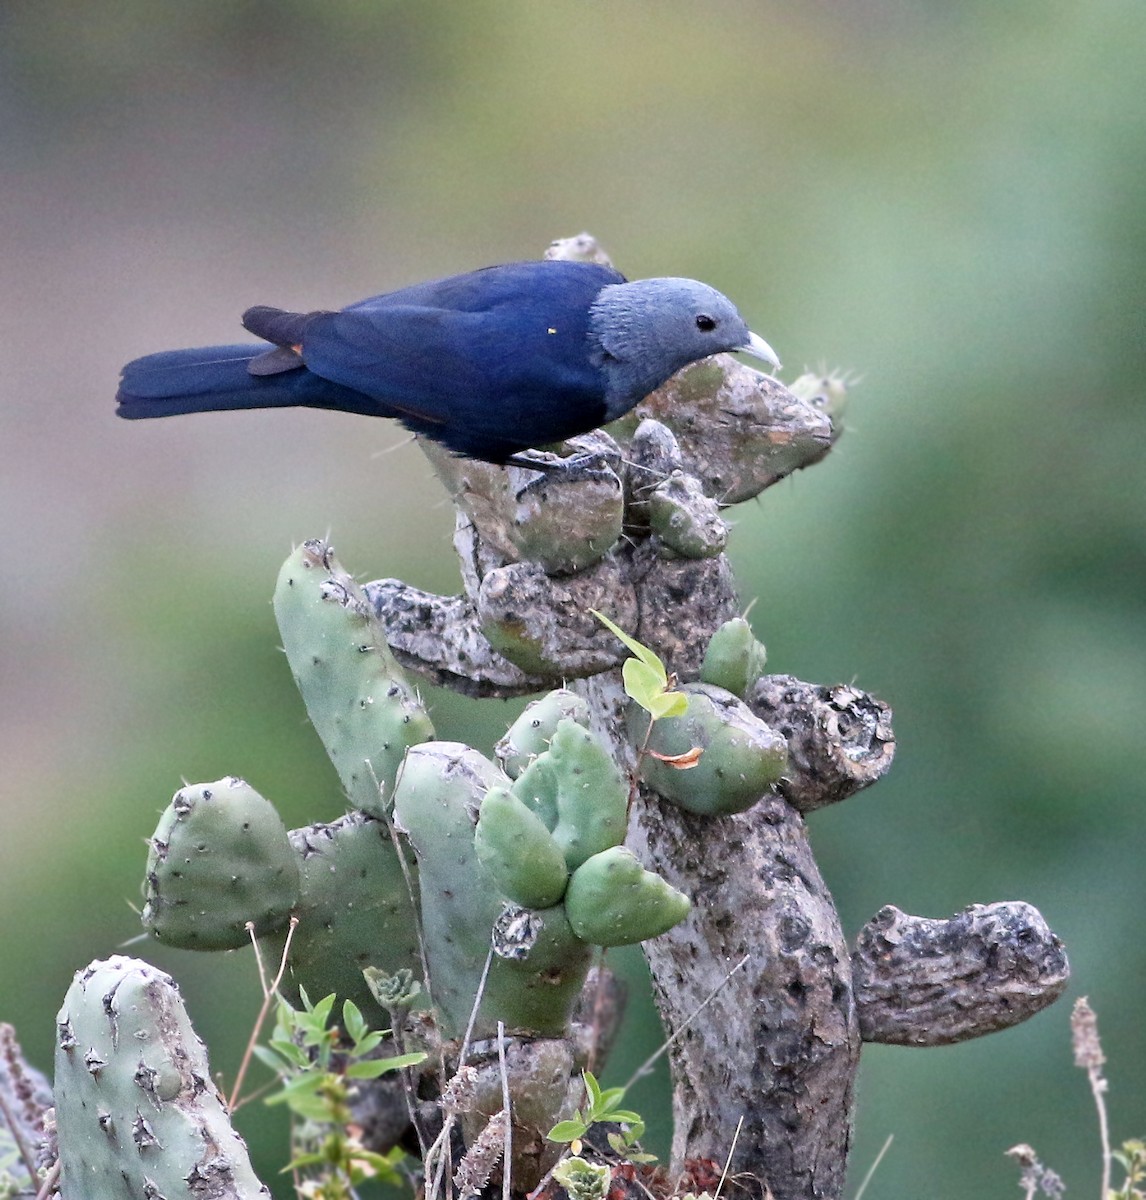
<point>491,364</point>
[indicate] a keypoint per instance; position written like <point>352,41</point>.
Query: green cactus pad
<point>219,858</point>
<point>613,901</point>
<point>354,912</point>
<point>734,659</point>
<point>518,851</point>
<point>577,791</point>
<point>590,795</point>
<point>355,692</point>
<point>529,735</point>
<point>741,757</point>
<point>436,801</point>
<point>137,1113</point>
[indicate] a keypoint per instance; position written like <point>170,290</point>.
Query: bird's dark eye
<point>705,323</point>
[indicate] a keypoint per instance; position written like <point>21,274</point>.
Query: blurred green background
<point>946,198</point>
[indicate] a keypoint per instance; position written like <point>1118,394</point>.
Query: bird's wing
<point>510,370</point>
<point>417,362</point>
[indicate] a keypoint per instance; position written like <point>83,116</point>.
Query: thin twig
<point>728,1160</point>
<point>17,1136</point>
<point>399,849</point>
<point>49,1184</point>
<point>647,1065</point>
<point>265,1007</point>
<point>598,1010</point>
<point>407,1076</point>
<point>872,1169</point>
<point>1097,1087</point>
<point>474,1011</point>
<point>507,1145</point>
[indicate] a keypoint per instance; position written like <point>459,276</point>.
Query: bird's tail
<point>216,378</point>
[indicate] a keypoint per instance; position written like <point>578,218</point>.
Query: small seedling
<point>603,1106</point>
<point>318,1065</point>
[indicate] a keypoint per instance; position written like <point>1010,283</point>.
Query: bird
<point>494,364</point>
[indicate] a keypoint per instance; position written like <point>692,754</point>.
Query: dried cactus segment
<point>136,1112</point>
<point>686,522</point>
<point>220,857</point>
<point>356,694</point>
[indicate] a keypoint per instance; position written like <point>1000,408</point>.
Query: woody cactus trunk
<point>494,878</point>
<point>765,1004</point>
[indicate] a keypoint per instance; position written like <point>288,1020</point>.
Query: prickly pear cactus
<point>137,1115</point>
<point>219,858</point>
<point>355,911</point>
<point>734,660</point>
<point>741,755</point>
<point>356,694</point>
<point>548,842</point>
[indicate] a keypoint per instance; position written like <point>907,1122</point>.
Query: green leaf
<point>269,1058</point>
<point>642,652</point>
<point>609,1099</point>
<point>369,1042</point>
<point>290,1053</point>
<point>304,1160</point>
<point>383,1163</point>
<point>323,1009</point>
<point>567,1131</point>
<point>642,682</point>
<point>668,704</point>
<point>353,1022</point>
<point>374,1067</point>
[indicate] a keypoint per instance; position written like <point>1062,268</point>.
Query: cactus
<point>219,858</point>
<point>529,735</point>
<point>516,847</point>
<point>613,901</point>
<point>577,790</point>
<point>686,522</point>
<point>734,659</point>
<point>137,1115</point>
<point>741,757</point>
<point>354,910</point>
<point>480,840</point>
<point>356,695</point>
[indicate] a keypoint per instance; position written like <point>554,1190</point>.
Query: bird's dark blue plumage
<point>490,363</point>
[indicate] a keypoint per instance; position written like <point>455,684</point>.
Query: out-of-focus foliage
<point>944,198</point>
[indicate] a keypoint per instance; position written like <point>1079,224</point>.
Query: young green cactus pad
<point>354,911</point>
<point>522,857</point>
<point>734,659</point>
<point>741,757</point>
<point>355,692</point>
<point>219,858</point>
<point>529,735</point>
<point>137,1114</point>
<point>613,901</point>
<point>578,791</point>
